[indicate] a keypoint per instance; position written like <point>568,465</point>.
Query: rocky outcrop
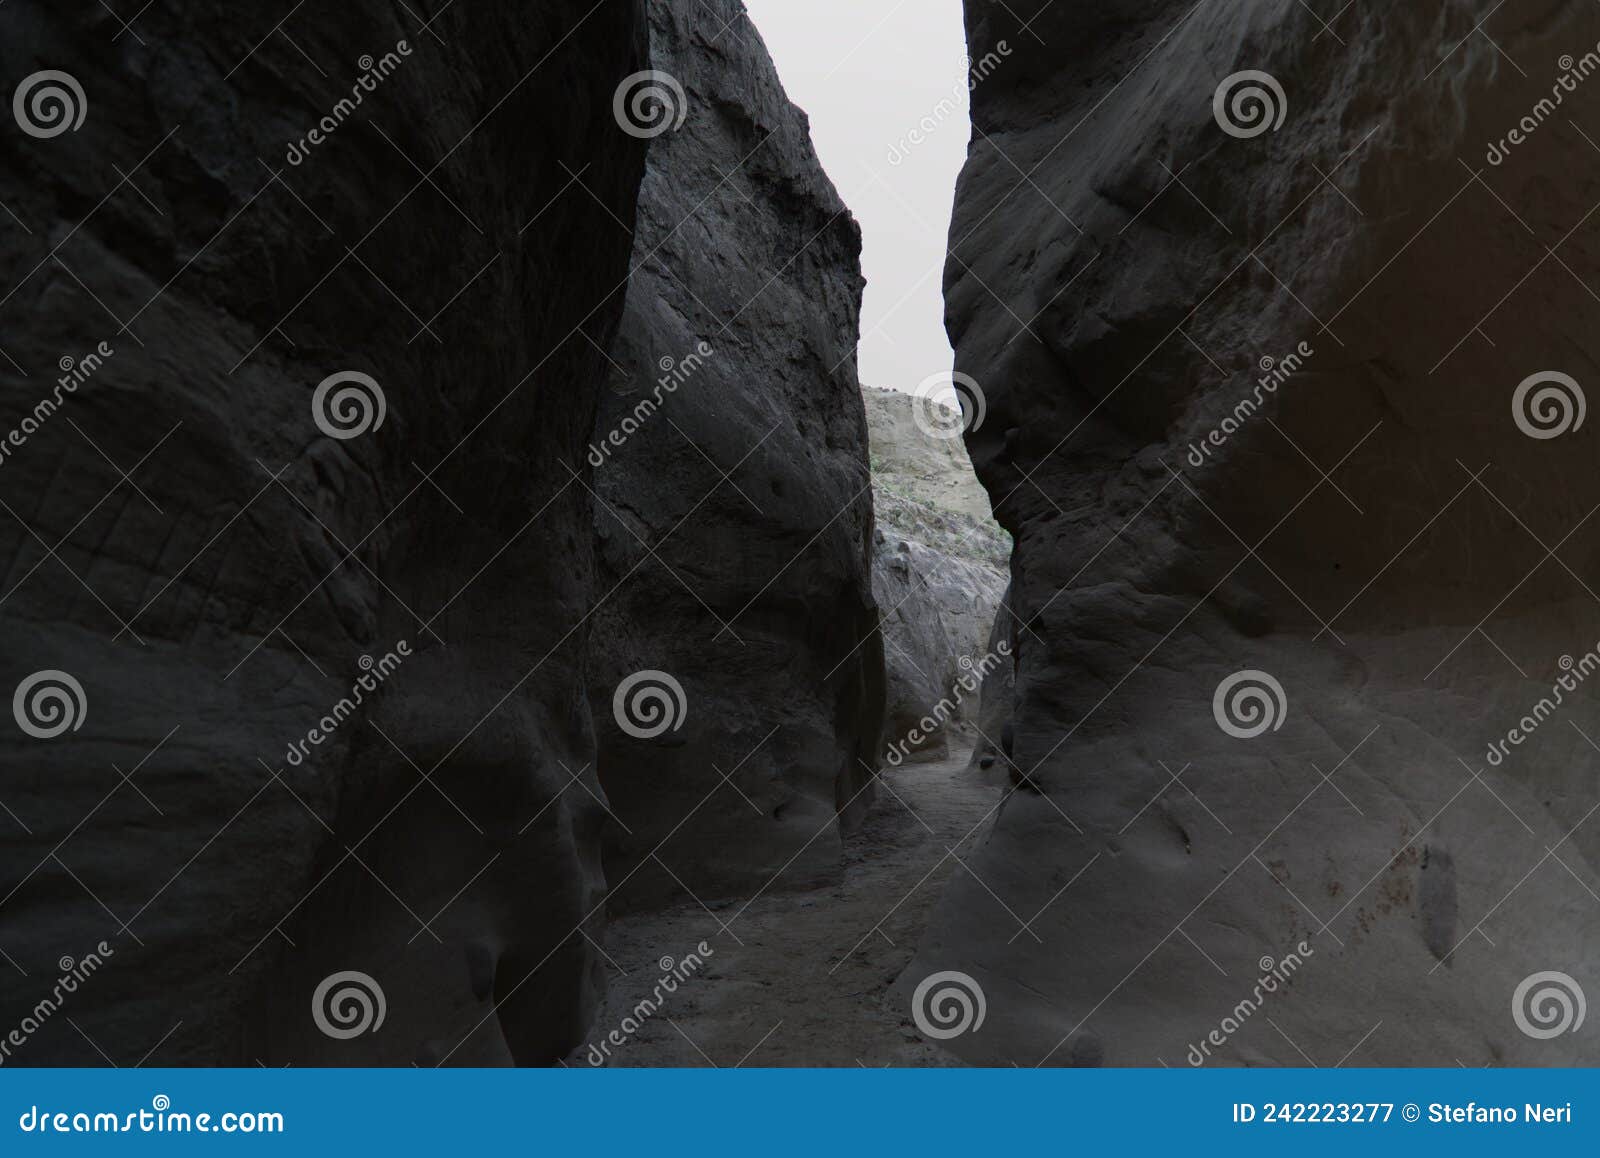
<point>323,668</point>
<point>925,466</point>
<point>1267,427</point>
<point>938,574</point>
<point>732,498</point>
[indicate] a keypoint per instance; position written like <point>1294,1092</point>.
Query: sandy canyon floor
<point>804,978</point>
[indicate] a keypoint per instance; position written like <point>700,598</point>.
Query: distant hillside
<point>925,488</point>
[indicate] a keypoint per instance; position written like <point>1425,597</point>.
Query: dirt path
<point>808,985</point>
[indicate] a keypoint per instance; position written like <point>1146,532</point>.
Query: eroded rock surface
<point>183,539</point>
<point>1377,534</point>
<point>938,573</point>
<point>734,506</point>
<point>994,728</point>
<point>926,464</point>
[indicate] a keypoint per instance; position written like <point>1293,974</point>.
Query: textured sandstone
<point>937,573</point>
<point>999,686</point>
<point>219,605</point>
<point>910,462</point>
<point>1405,601</point>
<point>733,501</point>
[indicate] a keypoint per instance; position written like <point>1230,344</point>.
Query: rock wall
<point>938,574</point>
<point>995,732</point>
<point>1377,519</point>
<point>733,502</point>
<point>325,667</point>
<point>935,607</point>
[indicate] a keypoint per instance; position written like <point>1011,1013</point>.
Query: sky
<point>870,73</point>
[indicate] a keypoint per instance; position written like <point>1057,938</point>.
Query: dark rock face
<point>733,502</point>
<point>1373,531</point>
<point>184,541</point>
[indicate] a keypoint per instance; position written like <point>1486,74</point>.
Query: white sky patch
<point>884,83</point>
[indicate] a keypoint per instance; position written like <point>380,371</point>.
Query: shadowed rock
<point>1369,525</point>
<point>733,504</point>
<point>185,540</point>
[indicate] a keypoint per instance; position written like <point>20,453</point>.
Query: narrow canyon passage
<point>471,541</point>
<point>805,978</point>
